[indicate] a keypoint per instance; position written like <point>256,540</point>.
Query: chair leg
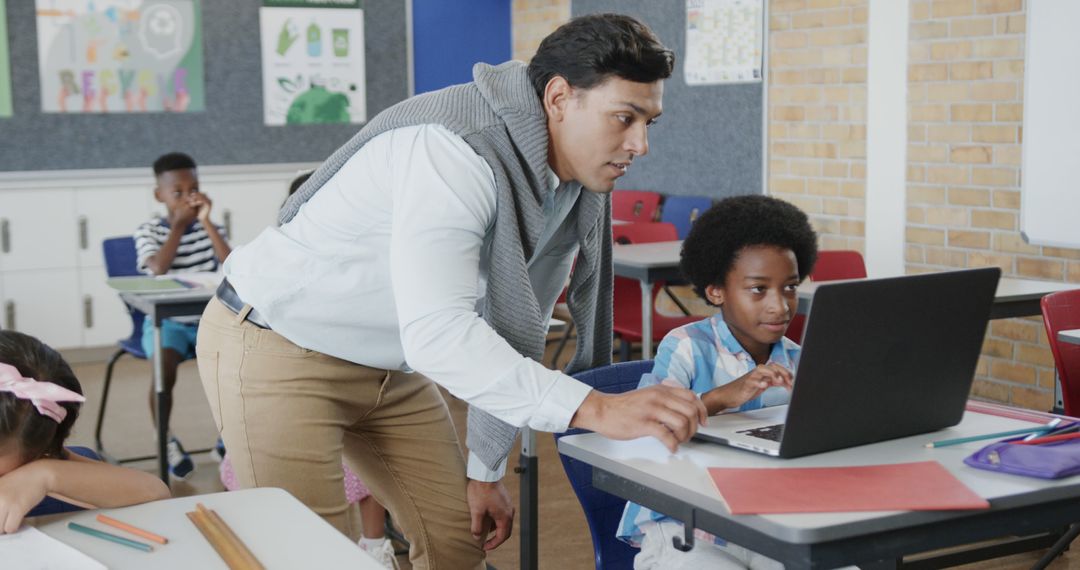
<point>562,345</point>
<point>625,347</point>
<point>1059,548</point>
<point>104,398</point>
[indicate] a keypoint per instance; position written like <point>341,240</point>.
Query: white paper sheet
<point>31,549</point>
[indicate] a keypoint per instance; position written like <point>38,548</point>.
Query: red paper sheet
<point>921,486</point>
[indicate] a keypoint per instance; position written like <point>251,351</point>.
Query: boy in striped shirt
<point>182,241</point>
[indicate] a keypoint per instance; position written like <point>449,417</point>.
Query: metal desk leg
<point>528,468</point>
<point>162,400</point>
<point>646,320</point>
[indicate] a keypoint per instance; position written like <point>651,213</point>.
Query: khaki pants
<point>289,415</point>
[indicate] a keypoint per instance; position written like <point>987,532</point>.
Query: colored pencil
<point>132,529</point>
<point>110,537</point>
<point>1000,434</point>
<point>216,520</point>
<point>1049,439</point>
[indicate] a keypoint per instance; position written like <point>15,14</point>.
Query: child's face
<point>758,298</point>
<point>176,187</point>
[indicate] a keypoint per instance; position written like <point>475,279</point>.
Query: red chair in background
<point>831,265</point>
<point>627,293</point>
<point>634,206</point>
<point>1061,311</point>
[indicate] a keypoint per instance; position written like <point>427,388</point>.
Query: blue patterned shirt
<point>702,356</point>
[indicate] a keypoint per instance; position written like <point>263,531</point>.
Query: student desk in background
<point>644,471</point>
<point>160,306</point>
<point>278,529</point>
<point>652,262</point>
<point>1070,336</point>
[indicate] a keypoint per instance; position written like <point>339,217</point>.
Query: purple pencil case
<point>1046,461</point>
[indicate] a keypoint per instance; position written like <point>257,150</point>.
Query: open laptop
<point>881,359</point>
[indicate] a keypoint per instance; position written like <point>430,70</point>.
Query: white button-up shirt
<point>386,266</point>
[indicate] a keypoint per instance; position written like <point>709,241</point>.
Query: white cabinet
<point>44,303</point>
<point>52,225</point>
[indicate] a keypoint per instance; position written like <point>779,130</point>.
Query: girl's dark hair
<point>588,50</point>
<point>35,435</point>
<point>718,235</point>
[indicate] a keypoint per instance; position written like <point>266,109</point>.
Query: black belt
<point>228,297</point>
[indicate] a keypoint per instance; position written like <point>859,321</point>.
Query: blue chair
<point>52,506</point>
<point>681,211</point>
<point>120,261</point>
<point>603,511</point>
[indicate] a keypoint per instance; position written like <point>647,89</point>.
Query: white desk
<point>278,529</point>
<point>643,471</point>
<point>1070,336</point>
<point>160,306</point>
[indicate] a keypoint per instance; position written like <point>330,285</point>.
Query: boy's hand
<point>747,387</point>
<point>20,490</point>
<point>668,413</point>
<point>182,214</point>
<point>203,204</point>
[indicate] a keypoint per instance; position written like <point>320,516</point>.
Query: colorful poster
<point>313,62</point>
<point>723,41</point>
<point>120,56</point>
<point>5,66</point>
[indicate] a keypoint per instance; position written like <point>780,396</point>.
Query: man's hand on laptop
<point>747,387</point>
<point>668,413</point>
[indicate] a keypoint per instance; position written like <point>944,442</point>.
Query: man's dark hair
<point>718,235</point>
<point>172,161</point>
<point>588,50</point>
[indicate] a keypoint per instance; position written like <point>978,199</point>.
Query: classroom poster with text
<point>5,66</point>
<point>120,56</point>
<point>313,62</point>
<point>723,41</point>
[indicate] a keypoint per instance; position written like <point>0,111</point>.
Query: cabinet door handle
<point>83,238</point>
<point>88,312</point>
<point>9,315</point>
<point>227,219</point>
<point>5,235</point>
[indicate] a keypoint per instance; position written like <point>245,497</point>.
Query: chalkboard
<point>229,131</point>
<point>1051,173</point>
<point>709,141</point>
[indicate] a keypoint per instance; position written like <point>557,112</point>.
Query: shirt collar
<point>781,352</point>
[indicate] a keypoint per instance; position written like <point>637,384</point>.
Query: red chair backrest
<point>1061,311</point>
<point>832,264</point>
<point>634,205</point>
<point>645,232</point>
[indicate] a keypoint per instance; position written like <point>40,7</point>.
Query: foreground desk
<point>278,529</point>
<point>643,471</point>
<point>160,306</point>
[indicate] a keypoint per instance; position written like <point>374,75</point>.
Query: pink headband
<point>44,395</point>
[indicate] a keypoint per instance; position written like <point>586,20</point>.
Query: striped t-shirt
<point>195,252</point>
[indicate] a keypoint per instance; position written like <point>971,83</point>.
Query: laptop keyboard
<point>771,433</point>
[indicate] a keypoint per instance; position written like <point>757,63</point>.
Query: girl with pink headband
<point>39,402</point>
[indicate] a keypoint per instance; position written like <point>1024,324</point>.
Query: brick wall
<point>965,105</point>
<point>817,114</point>
<point>533,20</point>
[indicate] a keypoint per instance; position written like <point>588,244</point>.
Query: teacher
<point>430,249</point>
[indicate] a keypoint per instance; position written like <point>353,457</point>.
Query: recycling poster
<point>120,56</point>
<point>313,61</point>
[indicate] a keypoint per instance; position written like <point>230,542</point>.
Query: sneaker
<point>383,554</point>
<point>180,463</point>
<point>218,452</point>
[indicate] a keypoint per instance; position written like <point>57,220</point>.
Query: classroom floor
<point>564,537</point>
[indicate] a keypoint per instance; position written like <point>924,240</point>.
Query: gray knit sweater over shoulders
<point>500,116</point>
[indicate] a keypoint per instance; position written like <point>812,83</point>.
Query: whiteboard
<point>1050,203</point>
